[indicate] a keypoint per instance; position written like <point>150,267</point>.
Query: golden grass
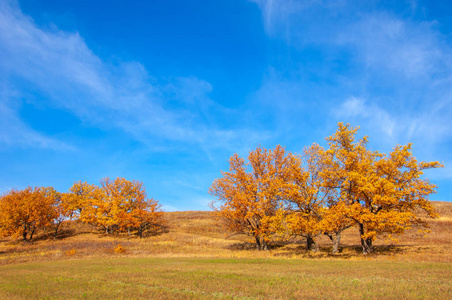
<point>195,234</point>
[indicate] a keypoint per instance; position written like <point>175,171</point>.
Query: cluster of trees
<point>324,191</point>
<point>115,205</point>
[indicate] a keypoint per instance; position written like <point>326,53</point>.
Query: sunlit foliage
<point>248,195</point>
<point>22,212</point>
<point>381,193</point>
<point>115,205</point>
<point>325,191</point>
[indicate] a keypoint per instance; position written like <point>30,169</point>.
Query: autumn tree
<point>117,204</point>
<point>61,213</point>
<point>381,194</point>
<point>81,196</point>
<point>248,195</point>
<point>334,221</point>
<point>302,210</point>
<point>22,212</point>
<point>147,216</point>
<point>311,209</point>
<point>128,205</point>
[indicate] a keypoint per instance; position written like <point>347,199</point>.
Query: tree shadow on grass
<point>389,249</point>
<point>159,231</point>
<point>345,251</point>
<point>242,246</point>
<point>253,246</point>
<point>133,233</point>
<point>349,251</point>
<point>62,234</point>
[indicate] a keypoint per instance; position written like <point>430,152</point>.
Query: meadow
<point>193,258</point>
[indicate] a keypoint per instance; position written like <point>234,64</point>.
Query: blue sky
<point>166,91</point>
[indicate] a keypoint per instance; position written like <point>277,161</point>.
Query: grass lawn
<point>244,278</point>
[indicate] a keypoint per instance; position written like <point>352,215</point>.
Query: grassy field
<point>192,258</point>
<point>198,278</point>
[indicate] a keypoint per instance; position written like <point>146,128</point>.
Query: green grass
<point>221,278</point>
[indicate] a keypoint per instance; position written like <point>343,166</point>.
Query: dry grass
<point>195,234</point>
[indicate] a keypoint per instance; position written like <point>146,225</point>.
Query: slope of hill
<point>196,234</point>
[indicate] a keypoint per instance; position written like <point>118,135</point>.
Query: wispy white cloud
<point>61,67</point>
<point>13,131</point>
<point>386,43</point>
<point>283,18</point>
<point>430,135</point>
<point>389,73</point>
<point>412,65</point>
<point>360,111</point>
<point>393,62</point>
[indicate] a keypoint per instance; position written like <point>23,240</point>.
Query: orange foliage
<point>24,211</point>
<point>75,201</point>
<point>249,193</point>
<point>115,205</point>
<point>324,192</point>
<point>378,192</point>
<point>301,211</point>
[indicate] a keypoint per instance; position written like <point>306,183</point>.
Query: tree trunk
<point>366,243</point>
<point>31,234</point>
<point>336,240</point>
<point>261,244</point>
<point>336,243</point>
<point>310,243</point>
<point>140,230</point>
<point>258,243</point>
<point>264,245</point>
<point>56,230</point>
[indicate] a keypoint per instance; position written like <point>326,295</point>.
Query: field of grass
<point>200,278</point>
<point>192,258</point>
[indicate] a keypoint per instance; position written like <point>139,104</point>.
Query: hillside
<point>195,234</point>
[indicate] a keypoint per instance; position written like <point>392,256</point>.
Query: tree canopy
<point>24,211</point>
<point>250,192</point>
<point>115,205</point>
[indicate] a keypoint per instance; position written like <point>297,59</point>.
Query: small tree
<point>81,196</point>
<point>147,216</point>
<point>302,210</point>
<point>61,212</point>
<point>248,195</point>
<point>24,211</point>
<point>334,221</point>
<point>392,196</point>
<point>380,193</point>
<point>118,204</point>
